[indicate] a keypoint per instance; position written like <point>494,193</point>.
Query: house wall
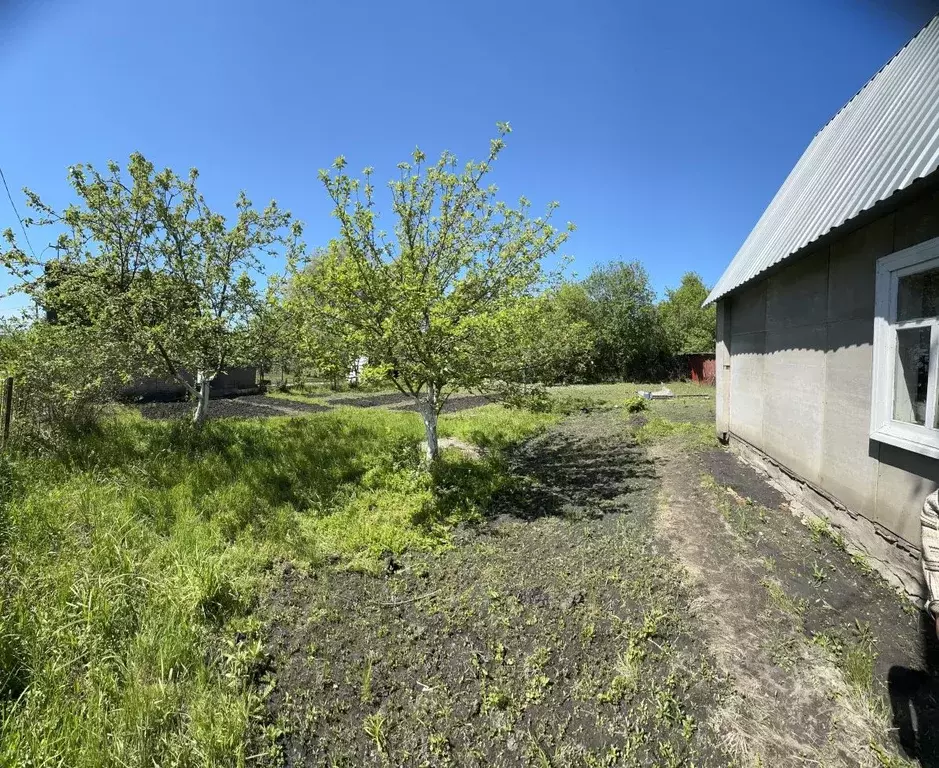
<point>794,380</point>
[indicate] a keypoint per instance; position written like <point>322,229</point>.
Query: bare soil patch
<point>620,605</point>
<point>250,406</point>
<point>454,404</point>
<point>557,633</point>
<point>402,402</point>
<point>370,401</point>
<point>827,663</point>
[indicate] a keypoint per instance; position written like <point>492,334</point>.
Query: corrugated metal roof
<point>880,142</point>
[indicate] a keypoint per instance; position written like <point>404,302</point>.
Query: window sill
<point>898,436</point>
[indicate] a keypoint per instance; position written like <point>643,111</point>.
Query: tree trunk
<point>203,385</point>
<point>428,409</point>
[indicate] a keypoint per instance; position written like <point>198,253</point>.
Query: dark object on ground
<point>232,408</point>
<point>231,383</point>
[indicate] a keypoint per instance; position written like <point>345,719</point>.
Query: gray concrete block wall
<point>794,397</point>
<point>847,469</point>
<point>904,479</point>
<point>722,371</point>
<point>745,412</point>
<point>799,344</point>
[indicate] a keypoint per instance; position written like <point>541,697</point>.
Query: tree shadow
<point>914,699</point>
<point>565,474</point>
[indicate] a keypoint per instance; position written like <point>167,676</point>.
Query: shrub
<point>519,396</point>
<point>636,403</point>
<point>63,380</point>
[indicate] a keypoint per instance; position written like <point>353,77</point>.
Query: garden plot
<point>635,597</point>
<point>555,633</point>
<point>610,589</point>
<point>250,406</point>
<point>264,406</point>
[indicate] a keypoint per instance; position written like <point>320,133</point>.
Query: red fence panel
<point>700,368</point>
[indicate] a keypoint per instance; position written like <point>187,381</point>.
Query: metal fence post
<point>7,410</point>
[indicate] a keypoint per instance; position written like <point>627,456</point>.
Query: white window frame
<point>884,428</point>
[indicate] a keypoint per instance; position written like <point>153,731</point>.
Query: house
<point>828,320</point>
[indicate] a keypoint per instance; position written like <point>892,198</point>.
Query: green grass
<point>617,393</point>
<point>319,396</point>
<point>131,562</point>
<point>494,427</point>
<point>690,434</point>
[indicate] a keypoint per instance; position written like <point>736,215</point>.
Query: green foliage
<point>63,379</point>
<point>617,304</point>
<point>143,262</point>
<point>621,332</point>
<point>533,340</point>
<point>494,427</point>
<point>130,561</point>
<point>430,307</point>
<point>533,398</point>
<point>689,327</point>
<point>539,399</point>
<point>318,346</point>
<point>635,404</point>
<point>271,333</point>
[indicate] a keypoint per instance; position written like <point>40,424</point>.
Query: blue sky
<point>663,129</point>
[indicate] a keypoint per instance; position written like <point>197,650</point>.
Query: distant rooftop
<point>881,141</point>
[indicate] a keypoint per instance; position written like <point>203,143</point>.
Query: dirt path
<point>620,607</point>
<point>823,658</point>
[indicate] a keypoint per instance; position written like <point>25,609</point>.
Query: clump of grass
<point>131,561</point>
<point>494,426</point>
<point>861,562</point>
<point>854,656</point>
<point>691,435</point>
<point>795,607</point>
<point>822,529</point>
<point>888,760</point>
<point>635,404</point>
<point>858,657</point>
<point>365,690</point>
<point>819,574</point>
<point>374,727</point>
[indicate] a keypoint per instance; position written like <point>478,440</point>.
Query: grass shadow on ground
<point>573,471</point>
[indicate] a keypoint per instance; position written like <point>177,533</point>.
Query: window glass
<point>936,417</point>
<point>912,375</point>
<point>918,295</point>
